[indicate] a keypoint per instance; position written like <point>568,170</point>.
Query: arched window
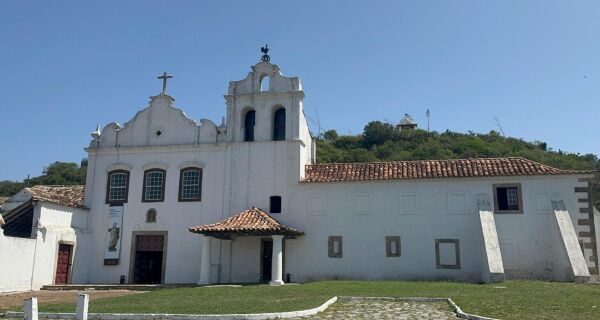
<point>279,125</point>
<point>117,187</point>
<point>190,184</point>
<point>154,185</point>
<point>249,122</point>
<point>264,84</point>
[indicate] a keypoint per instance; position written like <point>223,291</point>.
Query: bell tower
<point>266,106</point>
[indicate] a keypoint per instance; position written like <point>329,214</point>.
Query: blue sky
<point>69,65</point>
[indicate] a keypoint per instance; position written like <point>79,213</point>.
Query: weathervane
<point>164,78</point>
<point>265,51</point>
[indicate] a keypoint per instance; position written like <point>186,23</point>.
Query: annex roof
<point>70,196</point>
<point>430,169</point>
<point>253,221</point>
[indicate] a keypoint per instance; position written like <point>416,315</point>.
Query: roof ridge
<point>430,169</point>
<point>421,160</point>
<point>57,185</point>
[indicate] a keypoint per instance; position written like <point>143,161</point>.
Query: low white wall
<point>16,260</point>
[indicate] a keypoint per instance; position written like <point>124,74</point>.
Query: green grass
<point>513,300</point>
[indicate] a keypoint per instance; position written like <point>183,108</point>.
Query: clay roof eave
<point>250,233</point>
<point>251,222</point>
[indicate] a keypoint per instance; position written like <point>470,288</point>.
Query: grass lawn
<point>507,300</point>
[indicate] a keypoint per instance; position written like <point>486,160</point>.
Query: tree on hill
<point>381,141</point>
<point>57,173</point>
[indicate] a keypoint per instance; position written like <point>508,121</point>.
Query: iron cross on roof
<point>164,78</point>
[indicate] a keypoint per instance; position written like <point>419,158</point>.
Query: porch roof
<point>251,222</point>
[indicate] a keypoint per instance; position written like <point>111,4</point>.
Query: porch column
<point>277,261</point>
<point>205,261</point>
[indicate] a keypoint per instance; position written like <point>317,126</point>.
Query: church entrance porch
<point>148,258</point>
<point>243,229</point>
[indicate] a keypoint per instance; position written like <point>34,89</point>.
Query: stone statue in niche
<point>151,216</point>
<point>114,237</point>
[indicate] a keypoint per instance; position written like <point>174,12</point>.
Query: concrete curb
<point>465,315</point>
<point>133,316</point>
<point>459,313</point>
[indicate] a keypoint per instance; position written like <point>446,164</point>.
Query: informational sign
<point>113,235</point>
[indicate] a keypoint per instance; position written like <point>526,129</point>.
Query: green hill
<point>381,141</point>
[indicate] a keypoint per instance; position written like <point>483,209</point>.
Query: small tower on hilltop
<point>407,123</point>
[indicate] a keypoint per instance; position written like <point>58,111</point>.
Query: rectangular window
<point>116,191</point>
<point>335,247</point>
<point>154,185</point>
<point>275,204</point>
<point>190,184</point>
<point>508,198</point>
<point>392,246</point>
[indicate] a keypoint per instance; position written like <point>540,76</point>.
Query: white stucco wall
<point>532,233</point>
<point>16,255</point>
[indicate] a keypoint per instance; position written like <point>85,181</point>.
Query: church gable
<point>158,124</point>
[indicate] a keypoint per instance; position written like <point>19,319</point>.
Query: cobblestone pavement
<point>385,309</point>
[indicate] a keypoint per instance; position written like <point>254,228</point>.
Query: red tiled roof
<point>70,196</point>
<point>252,221</point>
<point>426,169</point>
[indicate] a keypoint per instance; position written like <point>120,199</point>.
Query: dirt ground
<point>10,300</point>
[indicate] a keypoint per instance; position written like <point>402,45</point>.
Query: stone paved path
<point>385,309</point>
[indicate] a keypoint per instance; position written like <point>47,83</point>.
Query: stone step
<point>132,287</point>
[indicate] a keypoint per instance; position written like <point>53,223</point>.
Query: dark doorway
<point>63,263</point>
<point>148,267</point>
<point>266,252</point>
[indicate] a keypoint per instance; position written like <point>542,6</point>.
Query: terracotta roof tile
<point>251,221</point>
<point>70,196</point>
<point>426,169</point>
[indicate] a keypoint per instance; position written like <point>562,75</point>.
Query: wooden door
<point>148,267</point>
<point>63,262</point>
<point>266,259</point>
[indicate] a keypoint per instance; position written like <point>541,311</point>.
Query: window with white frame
<point>117,187</point>
<point>154,185</point>
<point>508,198</point>
<point>190,184</point>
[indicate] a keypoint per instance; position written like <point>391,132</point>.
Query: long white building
<point>171,200</point>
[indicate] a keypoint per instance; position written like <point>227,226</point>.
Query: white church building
<point>169,200</point>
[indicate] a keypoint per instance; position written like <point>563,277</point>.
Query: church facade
<point>171,200</point>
